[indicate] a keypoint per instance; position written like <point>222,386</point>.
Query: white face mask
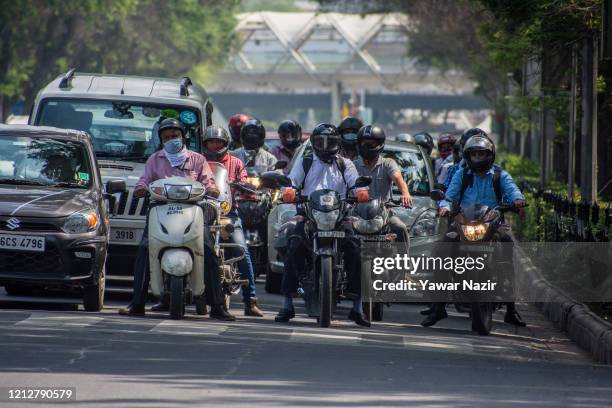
<point>173,146</point>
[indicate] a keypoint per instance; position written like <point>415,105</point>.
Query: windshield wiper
<point>66,184</point>
<point>22,182</point>
<point>127,157</point>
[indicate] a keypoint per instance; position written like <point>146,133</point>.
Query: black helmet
<point>348,129</point>
<point>171,123</point>
<point>325,140</point>
<point>252,134</point>
<point>215,133</point>
<point>471,132</point>
<point>479,143</point>
<point>290,134</point>
<point>374,133</point>
<point>424,140</point>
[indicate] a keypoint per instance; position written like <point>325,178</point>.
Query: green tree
<point>41,38</point>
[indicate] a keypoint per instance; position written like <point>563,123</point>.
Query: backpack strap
<point>466,181</point>
<point>497,183</point>
<point>307,159</point>
<point>341,166</point>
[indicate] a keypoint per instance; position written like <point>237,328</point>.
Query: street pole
<point>594,118</point>
<point>571,167</point>
<point>588,109</point>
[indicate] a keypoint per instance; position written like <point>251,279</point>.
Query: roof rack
<point>65,81</point>
<point>185,82</point>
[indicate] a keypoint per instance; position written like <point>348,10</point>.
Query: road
<point>156,362</point>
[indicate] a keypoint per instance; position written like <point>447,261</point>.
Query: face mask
<point>173,146</point>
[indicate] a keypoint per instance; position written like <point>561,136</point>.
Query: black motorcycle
<point>371,224</point>
<point>326,279</point>
<point>476,226</point>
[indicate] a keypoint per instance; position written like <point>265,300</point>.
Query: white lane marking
<point>36,199</point>
<point>187,327</point>
<point>324,338</point>
<point>45,320</point>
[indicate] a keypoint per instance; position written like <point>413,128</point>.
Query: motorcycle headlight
<point>368,226</point>
<point>254,181</point>
<point>326,220</point>
<point>81,222</point>
<point>475,232</point>
<point>426,224</point>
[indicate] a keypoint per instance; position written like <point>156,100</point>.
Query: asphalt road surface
<point>117,361</point>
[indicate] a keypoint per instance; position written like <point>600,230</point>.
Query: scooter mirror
<point>436,195</point>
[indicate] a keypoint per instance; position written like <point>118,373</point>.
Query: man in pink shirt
<point>176,160</point>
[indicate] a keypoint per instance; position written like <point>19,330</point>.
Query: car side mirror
<point>363,181</point>
<point>274,180</point>
<point>436,195</point>
<point>115,186</point>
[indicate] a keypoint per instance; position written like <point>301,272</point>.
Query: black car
<point>53,213</point>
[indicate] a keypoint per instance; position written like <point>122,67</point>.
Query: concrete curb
<point>588,330</point>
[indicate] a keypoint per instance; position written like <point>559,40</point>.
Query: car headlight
<point>475,232</point>
<point>82,221</point>
<point>326,220</point>
<point>426,224</point>
<point>368,226</point>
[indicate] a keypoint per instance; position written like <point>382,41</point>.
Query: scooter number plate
<point>330,234</point>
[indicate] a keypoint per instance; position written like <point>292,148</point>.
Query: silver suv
<point>122,113</point>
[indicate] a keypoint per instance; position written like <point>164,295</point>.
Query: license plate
<point>330,234</point>
<point>133,235</point>
<point>22,242</point>
<point>372,238</point>
<point>476,248</point>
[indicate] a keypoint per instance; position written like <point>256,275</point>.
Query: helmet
<point>348,129</point>
<point>325,140</point>
<point>171,123</point>
<point>235,124</point>
<point>252,134</point>
<point>290,134</point>
<point>479,143</point>
<point>424,140</point>
<point>445,144</point>
<point>215,133</point>
<point>405,137</point>
<point>472,132</point>
<point>373,133</point>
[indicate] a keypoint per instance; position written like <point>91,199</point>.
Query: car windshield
<point>414,170</point>
<point>44,161</point>
<point>119,130</point>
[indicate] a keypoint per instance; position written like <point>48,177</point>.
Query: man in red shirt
<point>215,146</point>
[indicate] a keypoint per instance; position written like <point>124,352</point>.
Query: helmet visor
<point>349,136</point>
<point>480,156</point>
<point>326,143</point>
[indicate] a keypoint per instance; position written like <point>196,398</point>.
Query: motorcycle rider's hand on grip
<point>443,211</point>
<point>289,195</point>
<point>362,196</point>
<point>140,191</point>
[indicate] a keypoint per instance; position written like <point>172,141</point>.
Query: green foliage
<point>39,39</point>
<point>268,5</point>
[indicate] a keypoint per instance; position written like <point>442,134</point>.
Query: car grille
<point>128,206</point>
<point>34,263</point>
<point>31,226</point>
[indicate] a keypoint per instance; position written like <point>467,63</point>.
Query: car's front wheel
<point>93,294</point>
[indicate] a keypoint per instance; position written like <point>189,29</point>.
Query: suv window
<point>119,130</point>
<point>44,161</point>
<point>413,168</point>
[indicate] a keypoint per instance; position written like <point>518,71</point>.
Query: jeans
<point>245,265</point>
<point>212,271</point>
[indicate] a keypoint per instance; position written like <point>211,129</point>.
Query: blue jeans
<point>245,266</point>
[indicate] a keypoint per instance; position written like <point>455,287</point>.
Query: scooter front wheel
<point>177,297</point>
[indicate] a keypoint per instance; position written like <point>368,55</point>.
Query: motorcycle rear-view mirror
<point>281,164</point>
<point>436,195</point>
<point>274,180</point>
<point>363,181</point>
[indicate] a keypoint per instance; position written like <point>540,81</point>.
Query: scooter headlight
<point>325,220</point>
<point>368,226</point>
<point>475,232</point>
<point>178,192</point>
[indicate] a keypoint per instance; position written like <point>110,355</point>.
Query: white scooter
<point>176,242</point>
